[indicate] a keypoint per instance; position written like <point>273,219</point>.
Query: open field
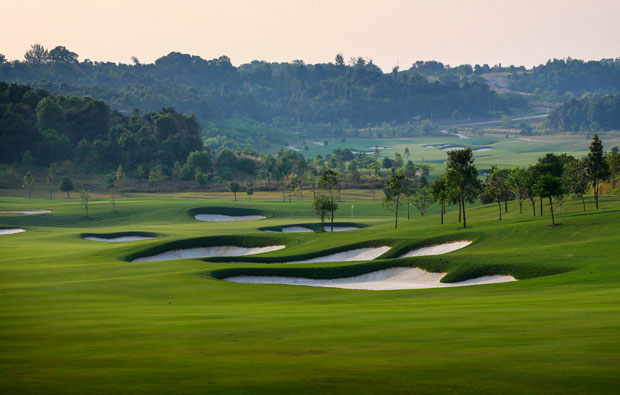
<point>505,152</point>
<point>78,316</point>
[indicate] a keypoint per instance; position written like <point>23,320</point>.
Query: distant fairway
<point>506,152</point>
<point>79,317</point>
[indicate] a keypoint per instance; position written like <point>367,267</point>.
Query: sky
<point>390,32</point>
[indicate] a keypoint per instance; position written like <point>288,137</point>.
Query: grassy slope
<point>77,318</point>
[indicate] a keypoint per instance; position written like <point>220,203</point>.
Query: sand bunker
<point>360,254</point>
<point>119,239</point>
<point>205,252</point>
<point>453,148</point>
<point>382,280</point>
<point>437,249</point>
<point>227,218</point>
<point>482,149</point>
<point>291,229</point>
<point>462,136</point>
<point>11,231</point>
<point>24,212</point>
<point>328,228</point>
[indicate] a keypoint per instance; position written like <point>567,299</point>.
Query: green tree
<point>517,183</point>
<point>495,185</point>
<point>407,153</point>
<point>250,191</point>
<point>37,54</point>
<point>440,193</point>
<point>66,185</point>
<point>61,54</point>
<point>85,198</point>
<point>613,161</point>
<point>234,187</point>
<point>50,115</point>
<point>549,186</point>
<point>28,183</point>
<point>120,179</point>
<point>575,180</point>
<point>597,169</point>
<point>422,200</point>
<point>395,194</point>
<point>322,206</point>
<point>461,177</point>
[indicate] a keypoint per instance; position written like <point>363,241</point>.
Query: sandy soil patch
<point>360,254</point>
<point>11,231</point>
<point>437,249</point>
<point>328,228</point>
<point>24,212</point>
<point>205,252</point>
<point>291,229</point>
<point>382,280</point>
<point>227,218</point>
<point>118,239</point>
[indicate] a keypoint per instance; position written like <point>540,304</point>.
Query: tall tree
<point>496,184</point>
<point>60,54</point>
<point>549,186</point>
<point>322,206</point>
<point>395,194</point>
<point>234,187</point>
<point>422,200</point>
<point>613,161</point>
<point>575,180</point>
<point>85,198</point>
<point>461,177</point>
<point>517,183</point>
<point>440,193</point>
<point>597,168</point>
<point>66,185</point>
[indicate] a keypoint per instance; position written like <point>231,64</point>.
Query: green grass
<point>77,317</point>
<point>510,152</point>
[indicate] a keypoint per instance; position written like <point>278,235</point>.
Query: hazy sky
<point>388,31</point>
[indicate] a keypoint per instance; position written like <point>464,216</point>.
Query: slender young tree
<point>495,185</point>
<point>422,200</point>
<point>234,187</point>
<point>28,183</point>
<point>329,184</point>
<point>66,185</point>
<point>575,180</point>
<point>322,206</point>
<point>597,168</point>
<point>517,182</point>
<point>85,198</point>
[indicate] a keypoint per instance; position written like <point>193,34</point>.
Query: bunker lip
<point>10,231</point>
<point>24,212</point>
<point>290,229</point>
<point>437,249</point>
<point>118,238</point>
<point>206,252</point>
<point>227,218</point>
<point>355,255</point>
<point>397,278</point>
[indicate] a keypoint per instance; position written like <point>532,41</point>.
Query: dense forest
<point>591,113</point>
<point>278,95</point>
<point>570,76</point>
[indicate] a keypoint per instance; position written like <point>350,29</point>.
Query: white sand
<point>204,252</point>
<point>227,218</point>
<point>482,149</point>
<point>453,148</point>
<point>293,148</point>
<point>525,139</point>
<point>119,239</point>
<point>462,136</point>
<point>382,280</point>
<point>25,212</point>
<point>292,229</point>
<point>437,249</point>
<point>11,231</point>
<point>360,254</point>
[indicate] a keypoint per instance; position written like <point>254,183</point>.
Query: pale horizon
<point>395,32</point>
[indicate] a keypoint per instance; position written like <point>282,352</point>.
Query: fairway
<point>80,316</point>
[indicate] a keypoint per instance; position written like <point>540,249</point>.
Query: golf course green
<point>82,316</point>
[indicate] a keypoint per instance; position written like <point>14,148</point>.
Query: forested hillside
<point>590,113</point>
<point>357,92</point>
<point>570,76</point>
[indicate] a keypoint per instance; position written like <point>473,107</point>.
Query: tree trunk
<point>506,205</point>
<point>551,208</point>
<point>463,205</point>
<point>460,211</point>
<point>332,220</point>
<point>30,193</point>
<point>499,204</point>
<point>520,205</point>
<point>396,218</point>
<point>584,203</point>
<point>235,194</point>
<point>596,194</point>
<point>533,205</point>
<point>541,204</point>
<point>442,210</point>
<point>408,209</point>
<point>67,194</point>
<point>283,196</point>
<point>51,190</point>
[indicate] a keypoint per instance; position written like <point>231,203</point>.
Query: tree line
<point>590,113</point>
